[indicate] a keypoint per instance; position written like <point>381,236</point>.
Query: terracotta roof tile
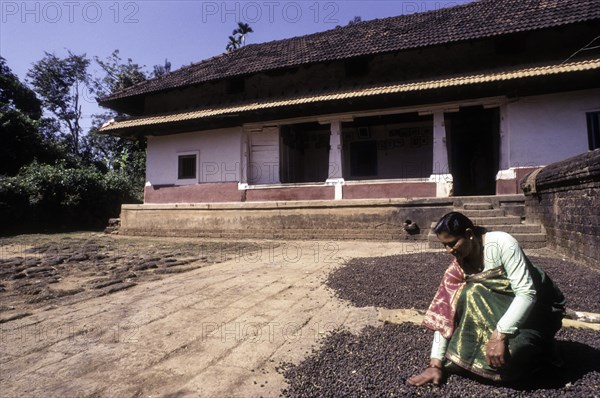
<point>593,64</point>
<point>475,20</point>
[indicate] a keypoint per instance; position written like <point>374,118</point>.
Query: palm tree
<point>354,21</point>
<point>238,37</point>
<point>242,30</point>
<point>234,43</point>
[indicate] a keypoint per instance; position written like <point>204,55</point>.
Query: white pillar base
<point>443,184</point>
<point>509,174</point>
<point>337,183</point>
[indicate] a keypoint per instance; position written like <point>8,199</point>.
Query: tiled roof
<point>480,19</point>
<point>593,64</point>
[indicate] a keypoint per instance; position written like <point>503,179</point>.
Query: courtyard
<point>95,315</point>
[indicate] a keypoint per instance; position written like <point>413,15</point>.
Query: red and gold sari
<point>466,309</point>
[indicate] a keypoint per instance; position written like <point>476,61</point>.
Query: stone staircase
<point>530,236</point>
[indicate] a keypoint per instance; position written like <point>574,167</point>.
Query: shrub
<point>43,197</point>
<point>13,203</point>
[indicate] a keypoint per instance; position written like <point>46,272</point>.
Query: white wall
<point>219,156</point>
<point>547,128</point>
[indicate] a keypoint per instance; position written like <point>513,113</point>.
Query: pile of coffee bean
<point>411,280</point>
<point>579,284</point>
<point>377,362</point>
<point>403,281</point>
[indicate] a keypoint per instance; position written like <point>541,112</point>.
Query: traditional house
<point>454,102</point>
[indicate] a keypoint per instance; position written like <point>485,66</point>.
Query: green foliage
<point>20,111</point>
<point>14,95</point>
<point>58,82</point>
<point>44,196</point>
<point>162,70</point>
<point>13,204</point>
<point>355,20</point>
<point>117,153</point>
<point>20,141</point>
<point>126,155</point>
<point>238,38</point>
<point>52,176</point>
<point>117,75</point>
<point>121,156</point>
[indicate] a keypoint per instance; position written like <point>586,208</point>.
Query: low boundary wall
<point>565,198</point>
<point>364,219</point>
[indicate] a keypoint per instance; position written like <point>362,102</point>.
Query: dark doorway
<point>473,139</point>
<point>304,153</point>
<point>363,158</point>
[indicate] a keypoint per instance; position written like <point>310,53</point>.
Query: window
<point>187,167</point>
<point>304,153</point>
<point>363,132</point>
<point>593,126</point>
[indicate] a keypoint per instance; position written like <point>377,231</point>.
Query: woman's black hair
<point>456,224</point>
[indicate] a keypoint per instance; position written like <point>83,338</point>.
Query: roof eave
<point>500,83</point>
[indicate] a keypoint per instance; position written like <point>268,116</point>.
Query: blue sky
<point>150,31</point>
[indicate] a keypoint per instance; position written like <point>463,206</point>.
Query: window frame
<point>592,120</point>
<point>187,180</point>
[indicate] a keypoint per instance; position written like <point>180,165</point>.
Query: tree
<point>20,112</point>
<point>354,21</point>
<point>238,38</point>
<point>117,75</point>
<point>15,95</point>
<point>45,185</point>
<point>116,153</point>
<point>126,155</point>
<point>232,44</point>
<point>241,31</point>
<point>162,70</point>
<point>58,82</point>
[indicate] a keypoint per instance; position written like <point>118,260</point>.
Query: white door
<point>263,166</point>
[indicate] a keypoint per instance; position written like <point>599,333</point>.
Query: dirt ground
<point>94,315</point>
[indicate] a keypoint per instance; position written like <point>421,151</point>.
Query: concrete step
<point>489,221</point>
<point>527,241</point>
<point>517,228</point>
<point>525,245</point>
<point>514,209</point>
<point>513,206</point>
<point>520,236</point>
<point>530,237</point>
<point>387,234</point>
<point>483,213</point>
<point>510,228</point>
<point>478,206</point>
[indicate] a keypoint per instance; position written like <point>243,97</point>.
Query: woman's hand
<point>495,350</point>
<point>433,374</point>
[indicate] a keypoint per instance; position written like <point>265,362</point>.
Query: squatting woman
<point>495,314</point>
